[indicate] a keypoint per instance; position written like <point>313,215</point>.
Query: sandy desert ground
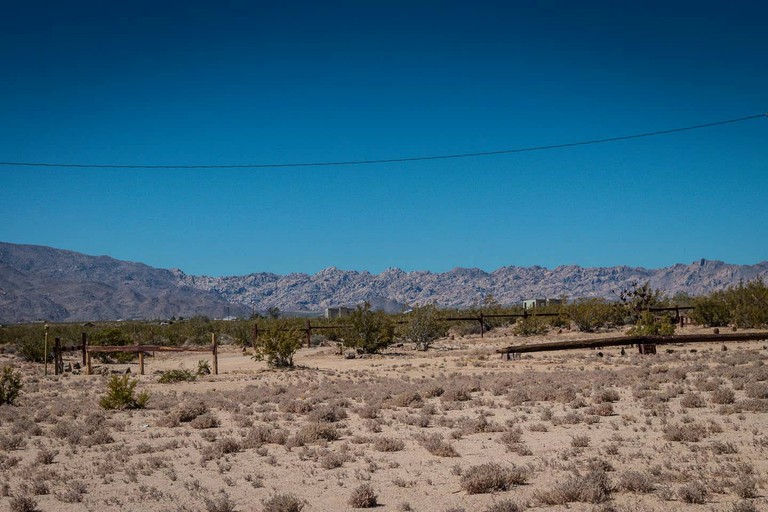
<point>455,428</point>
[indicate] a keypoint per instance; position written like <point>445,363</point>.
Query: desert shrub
<point>606,395</point>
<point>745,487</point>
<point>531,326</point>
<point>636,481</point>
<point>435,445</point>
<point>45,456</point>
<point>423,326</point>
<point>593,487</point>
<point>120,394</point>
<point>504,506</point>
<point>724,448</point>
<point>284,502</point>
<point>592,314</point>
<point>648,324</point>
<point>490,477</point>
<point>23,503</point>
<point>580,441</point>
<point>363,497</point>
<point>10,385</point>
<point>328,414</point>
<point>748,304</point>
<point>278,343</point>
<point>692,400</point>
<point>693,492</point>
<point>32,348</point>
<point>180,375</point>
<point>711,311</point>
<point>756,390</point>
<point>205,421</point>
<point>313,432</point>
<point>723,395</point>
<point>220,503</point>
<point>388,444</point>
<point>369,331</point>
<point>744,506</point>
<point>188,411</point>
<point>689,432</point>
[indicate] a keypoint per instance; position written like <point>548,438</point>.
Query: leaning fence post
<point>215,354</point>
<point>45,350</point>
<point>85,344</point>
<point>56,355</point>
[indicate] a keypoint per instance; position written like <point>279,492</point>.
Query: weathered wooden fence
<point>141,350</point>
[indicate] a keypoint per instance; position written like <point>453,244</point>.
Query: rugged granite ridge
<point>45,283</point>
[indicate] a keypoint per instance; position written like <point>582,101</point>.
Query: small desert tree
<point>423,326</point>
<point>591,314</point>
<point>370,331</point>
<point>711,311</point>
<point>638,300</point>
<point>277,344</point>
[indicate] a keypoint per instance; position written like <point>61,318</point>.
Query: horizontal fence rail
<point>633,340</point>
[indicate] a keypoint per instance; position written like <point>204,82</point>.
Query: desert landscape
<point>450,429</point>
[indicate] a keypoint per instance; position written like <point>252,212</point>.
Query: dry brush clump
<point>492,477</point>
<point>592,487</point>
<point>363,496</point>
<point>436,445</point>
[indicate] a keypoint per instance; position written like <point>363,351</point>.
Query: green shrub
<point>180,375</point>
<point>370,331</point>
<point>712,311</point>
<point>10,385</point>
<point>531,326</point>
<point>423,326</point>
<point>647,324</point>
<point>277,344</point>
<point>120,394</point>
<point>592,314</point>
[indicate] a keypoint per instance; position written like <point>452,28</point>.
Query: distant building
<point>339,312</point>
<point>539,303</point>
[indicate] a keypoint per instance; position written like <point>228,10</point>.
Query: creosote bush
<point>120,394</point>
<point>277,344</point>
<point>180,375</point>
<point>10,385</point>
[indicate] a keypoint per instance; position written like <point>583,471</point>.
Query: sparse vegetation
<point>121,394</point>
<point>10,385</point>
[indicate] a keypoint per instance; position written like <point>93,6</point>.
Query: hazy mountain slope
<point>44,283</point>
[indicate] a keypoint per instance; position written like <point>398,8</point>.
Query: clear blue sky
<point>274,82</point>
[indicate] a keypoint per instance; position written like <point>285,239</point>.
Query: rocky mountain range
<point>45,283</point>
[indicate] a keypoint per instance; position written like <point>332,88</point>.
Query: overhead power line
<point>383,160</point>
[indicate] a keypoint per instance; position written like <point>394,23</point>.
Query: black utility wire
<point>385,160</point>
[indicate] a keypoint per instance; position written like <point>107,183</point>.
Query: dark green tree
<point>370,331</point>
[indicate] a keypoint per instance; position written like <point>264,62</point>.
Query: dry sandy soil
<point>454,428</point>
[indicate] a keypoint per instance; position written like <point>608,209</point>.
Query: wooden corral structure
<point>140,350</point>
<point>646,344</point>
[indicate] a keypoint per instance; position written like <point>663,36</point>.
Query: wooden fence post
<point>88,368</point>
<point>215,354</point>
<point>85,344</point>
<point>45,350</point>
<point>56,355</point>
<point>309,334</point>
<point>141,363</point>
<point>255,334</point>
<point>482,326</point>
